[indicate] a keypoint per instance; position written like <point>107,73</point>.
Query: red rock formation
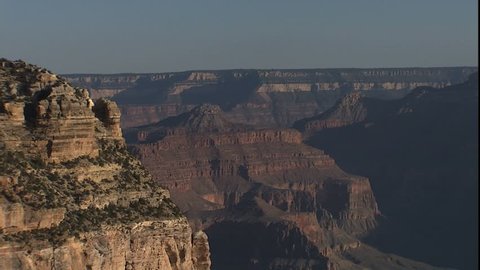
<point>222,177</point>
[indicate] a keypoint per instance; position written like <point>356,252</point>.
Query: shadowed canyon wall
<point>421,155</point>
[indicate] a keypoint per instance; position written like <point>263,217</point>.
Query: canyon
<point>264,98</point>
<point>265,199</point>
<point>421,156</point>
<point>72,197</point>
<point>239,169</point>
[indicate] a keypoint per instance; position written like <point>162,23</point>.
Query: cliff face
<point>72,197</point>
<point>266,200</point>
<point>421,155</point>
<point>265,98</point>
<point>148,245</point>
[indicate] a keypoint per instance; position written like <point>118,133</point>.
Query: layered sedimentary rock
<point>421,155</point>
<point>147,245</point>
<point>71,196</point>
<point>266,200</point>
<point>265,98</point>
<point>42,114</point>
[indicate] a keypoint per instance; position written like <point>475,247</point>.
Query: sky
<point>115,36</point>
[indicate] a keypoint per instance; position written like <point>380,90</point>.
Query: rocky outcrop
<point>109,114</point>
<point>420,154</point>
<point>264,98</point>
<point>42,114</point>
<point>353,108</point>
<point>72,197</point>
<point>201,251</point>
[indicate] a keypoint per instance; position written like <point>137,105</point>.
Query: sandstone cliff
<point>266,200</point>
<point>72,197</point>
<point>265,98</point>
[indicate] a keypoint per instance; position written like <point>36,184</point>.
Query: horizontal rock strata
<point>265,98</point>
<point>265,179</point>
<point>72,197</point>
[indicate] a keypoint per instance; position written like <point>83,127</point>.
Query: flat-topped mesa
<point>319,79</point>
<point>43,115</point>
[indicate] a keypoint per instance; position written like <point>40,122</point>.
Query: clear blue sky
<point>102,36</point>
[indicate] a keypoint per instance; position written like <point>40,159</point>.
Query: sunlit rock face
<point>72,196</point>
<point>43,114</point>
<point>264,98</point>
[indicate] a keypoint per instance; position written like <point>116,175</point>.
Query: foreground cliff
<point>264,98</point>
<point>266,200</point>
<point>72,197</point>
<point>421,155</point>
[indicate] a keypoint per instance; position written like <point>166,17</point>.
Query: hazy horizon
<point>230,69</point>
<point>151,37</point>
